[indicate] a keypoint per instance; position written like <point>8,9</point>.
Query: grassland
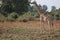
<point>29,31</point>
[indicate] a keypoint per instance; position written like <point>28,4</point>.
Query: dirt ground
<point>30,23</point>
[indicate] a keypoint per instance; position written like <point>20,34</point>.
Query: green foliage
<point>28,17</point>
<point>56,14</point>
<point>12,17</point>
<point>32,9</point>
<point>6,9</point>
<point>20,10</point>
<point>53,8</point>
<point>44,8</point>
<point>2,18</point>
<point>18,6</point>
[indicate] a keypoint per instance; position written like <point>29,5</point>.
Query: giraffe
<point>43,16</point>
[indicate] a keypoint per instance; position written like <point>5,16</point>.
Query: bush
<point>26,17</point>
<point>57,17</point>
<point>56,14</point>
<point>2,18</point>
<point>12,17</point>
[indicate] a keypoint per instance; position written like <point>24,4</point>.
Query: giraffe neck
<point>38,8</point>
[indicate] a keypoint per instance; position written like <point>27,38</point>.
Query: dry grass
<point>25,31</point>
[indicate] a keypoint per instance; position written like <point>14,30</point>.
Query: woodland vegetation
<point>20,10</point>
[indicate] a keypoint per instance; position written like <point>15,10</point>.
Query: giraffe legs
<point>41,23</point>
<point>50,23</point>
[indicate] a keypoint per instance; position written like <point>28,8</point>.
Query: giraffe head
<point>33,2</point>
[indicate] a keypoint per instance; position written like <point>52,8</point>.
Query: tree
<point>6,7</point>
<point>40,6</point>
<point>0,3</point>
<point>44,8</point>
<point>32,9</point>
<point>53,8</point>
<point>18,6</point>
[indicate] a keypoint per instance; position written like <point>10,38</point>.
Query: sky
<point>49,3</point>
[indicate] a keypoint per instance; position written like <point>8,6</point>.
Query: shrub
<point>2,18</point>
<point>26,17</point>
<point>12,17</point>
